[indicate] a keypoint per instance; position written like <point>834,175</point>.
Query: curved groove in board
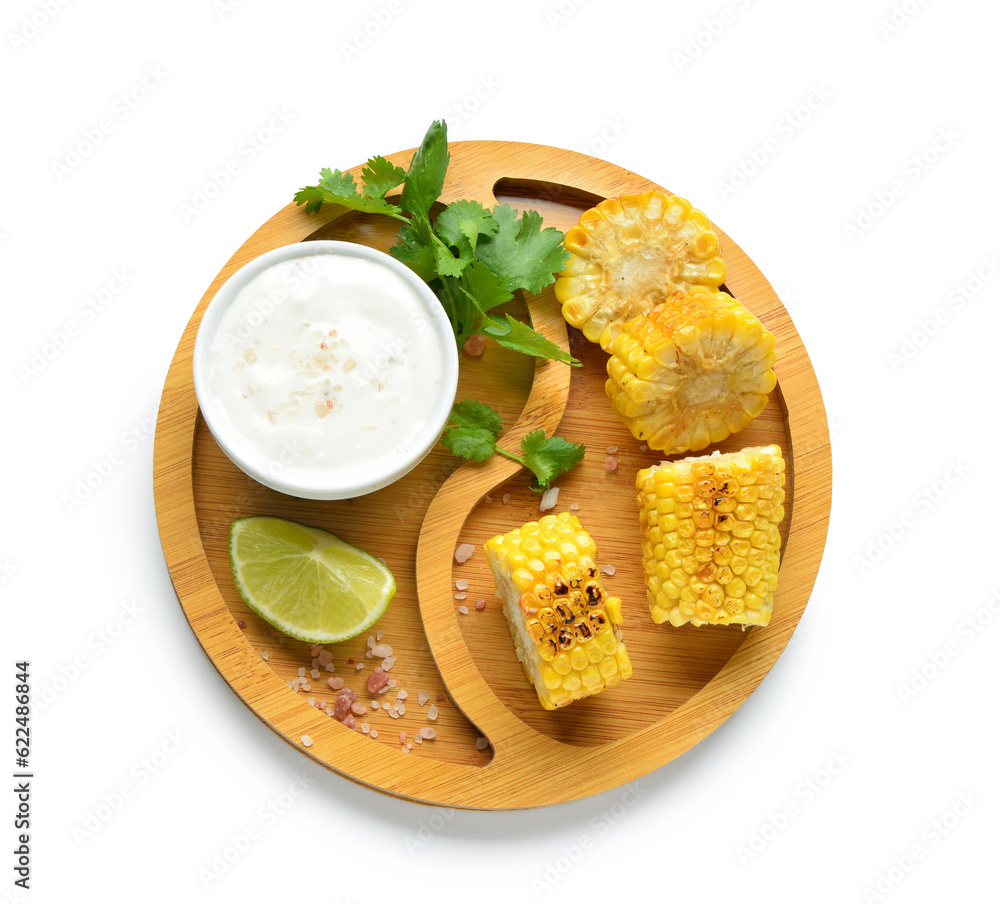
<point>528,768</point>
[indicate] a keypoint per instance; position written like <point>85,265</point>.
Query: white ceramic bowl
<point>330,484</point>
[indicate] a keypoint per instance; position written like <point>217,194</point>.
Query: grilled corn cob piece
<point>565,628</point>
<point>691,371</point>
<point>629,254</point>
<point>710,538</point>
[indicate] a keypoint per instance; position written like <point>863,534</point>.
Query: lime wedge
<point>305,581</point>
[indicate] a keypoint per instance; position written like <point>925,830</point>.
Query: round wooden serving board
<point>686,680</point>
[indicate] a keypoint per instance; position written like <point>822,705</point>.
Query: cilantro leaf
<point>446,262</point>
<point>415,248</point>
<point>472,430</point>
<point>483,286</point>
<point>340,188</point>
<point>523,255</point>
<point>548,458</point>
<point>520,337</point>
<point>425,177</point>
<point>462,222</point>
<point>380,176</point>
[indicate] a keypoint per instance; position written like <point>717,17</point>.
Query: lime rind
<point>305,581</point>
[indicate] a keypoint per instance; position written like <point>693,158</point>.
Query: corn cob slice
<point>710,538</point>
<point>691,371</point>
<point>565,628</point>
<point>629,254</point>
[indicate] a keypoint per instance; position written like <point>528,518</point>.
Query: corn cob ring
<point>629,254</point>
<point>691,372</point>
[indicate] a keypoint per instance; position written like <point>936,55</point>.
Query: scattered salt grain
<point>401,695</point>
<point>464,610</point>
<point>307,741</point>
<point>440,698</point>
<point>423,697</point>
<point>335,683</point>
<point>325,658</point>
<point>480,605</point>
<point>610,463</point>
<point>402,737</point>
<point>461,596</point>
<point>378,636</point>
<point>375,704</point>
<point>549,500</point>
<point>329,667</point>
<point>314,663</point>
<point>482,743</point>
<point>574,507</point>
<point>488,499</point>
<point>307,687</point>
<point>265,655</point>
<point>350,722</point>
<point>311,701</point>
<point>392,713</point>
<point>643,448</point>
<point>463,552</point>
<point>611,450</point>
<point>462,584</point>
<point>371,642</point>
<point>314,649</point>
<point>328,710</point>
<point>432,712</point>
<point>374,733</point>
<point>359,666</point>
<point>401,708</point>
<point>314,674</point>
<point>240,623</point>
<point>417,739</point>
<point>608,569</point>
<point>428,733</point>
<point>358,708</point>
<point>368,654</point>
<point>506,498</point>
<point>365,728</point>
<point>403,749</point>
<point>388,663</point>
<point>302,672</point>
<point>382,650</point>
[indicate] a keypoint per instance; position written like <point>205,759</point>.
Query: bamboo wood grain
<point>686,681</point>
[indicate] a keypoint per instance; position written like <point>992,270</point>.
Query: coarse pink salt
<point>307,741</point>
<point>302,672</point>
<point>608,569</point>
<point>388,663</point>
<point>461,584</point>
<point>240,623</point>
<point>350,722</point>
<point>382,650</point>
<point>325,658</point>
<point>480,605</point>
<point>358,708</point>
<point>427,733</point>
<point>463,552</point>
<point>402,737</point>
<point>314,674</point>
<point>377,681</point>
<point>432,712</point>
<point>335,683</point>
<point>475,345</point>
<point>610,463</point>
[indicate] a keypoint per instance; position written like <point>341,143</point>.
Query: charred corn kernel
<point>564,625</point>
<point>689,373</point>
<point>733,582</point>
<point>628,254</point>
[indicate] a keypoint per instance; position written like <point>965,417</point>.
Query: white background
<point>846,777</point>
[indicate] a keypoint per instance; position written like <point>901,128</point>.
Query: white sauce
<point>324,364</point>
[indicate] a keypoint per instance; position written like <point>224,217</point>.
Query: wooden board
<point>686,681</point>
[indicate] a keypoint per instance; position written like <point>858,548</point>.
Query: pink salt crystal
<point>427,733</point>
<point>382,650</point>
<point>350,722</point>
<point>439,698</point>
<point>325,658</point>
<point>608,569</point>
<point>335,683</point>
<point>475,345</point>
<point>314,674</point>
<point>377,681</point>
<point>461,596</point>
<point>307,741</point>
<point>432,712</point>
<point>423,697</point>
<point>402,737</point>
<point>464,610</point>
<point>462,584</point>
<point>341,707</point>
<point>480,605</point>
<point>358,708</point>
<point>464,552</point>
<point>610,463</point>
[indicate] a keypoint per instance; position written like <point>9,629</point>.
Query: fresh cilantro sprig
<point>472,433</point>
<point>474,258</point>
